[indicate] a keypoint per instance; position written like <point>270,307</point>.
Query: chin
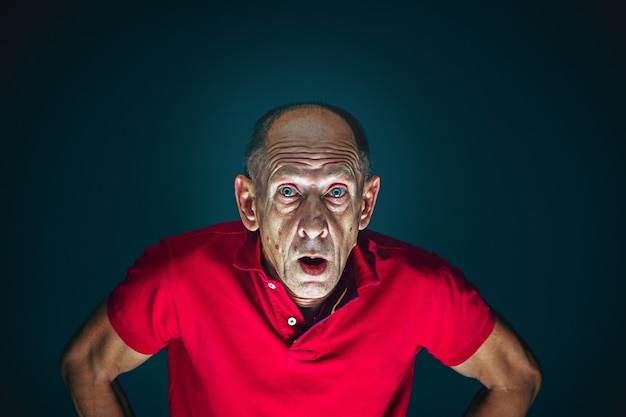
<point>303,285</point>
<point>312,294</point>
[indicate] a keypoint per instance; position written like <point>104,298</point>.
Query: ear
<point>370,194</point>
<point>246,202</point>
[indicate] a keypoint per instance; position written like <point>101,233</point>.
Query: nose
<point>313,222</point>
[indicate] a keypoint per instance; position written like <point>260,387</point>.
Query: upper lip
<point>312,261</point>
<point>312,255</point>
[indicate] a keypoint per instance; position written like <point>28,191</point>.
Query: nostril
<point>312,227</point>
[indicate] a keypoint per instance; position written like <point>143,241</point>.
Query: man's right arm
<point>92,361</point>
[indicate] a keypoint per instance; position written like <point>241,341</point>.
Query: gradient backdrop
<point>498,131</point>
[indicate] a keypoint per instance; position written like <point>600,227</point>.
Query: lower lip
<point>313,269</point>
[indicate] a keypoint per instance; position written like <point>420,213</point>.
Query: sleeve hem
<point>478,341</point>
<point>124,334</point>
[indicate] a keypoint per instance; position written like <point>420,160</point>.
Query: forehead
<point>327,173</point>
<point>311,138</point>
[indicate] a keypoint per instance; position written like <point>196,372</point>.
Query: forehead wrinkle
<point>331,172</point>
<point>312,155</point>
<point>314,148</point>
<point>312,161</point>
<point>311,141</point>
<point>297,166</point>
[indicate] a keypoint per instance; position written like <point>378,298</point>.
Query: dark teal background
<point>498,131</point>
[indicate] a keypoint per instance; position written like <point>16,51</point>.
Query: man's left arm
<point>509,372</point>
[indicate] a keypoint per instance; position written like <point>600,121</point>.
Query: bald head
<point>312,121</point>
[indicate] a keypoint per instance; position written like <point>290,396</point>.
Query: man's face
<point>311,206</point>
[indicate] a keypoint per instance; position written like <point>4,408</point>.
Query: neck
<point>309,307</point>
<point>313,303</point>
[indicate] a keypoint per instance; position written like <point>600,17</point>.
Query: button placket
<point>286,313</point>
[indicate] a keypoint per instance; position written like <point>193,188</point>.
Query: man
<point>297,310</point>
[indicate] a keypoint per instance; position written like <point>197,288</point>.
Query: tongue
<point>312,266</point>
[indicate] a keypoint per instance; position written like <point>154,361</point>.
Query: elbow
<point>535,378</point>
<point>524,381</point>
<point>527,380</point>
<point>77,366</point>
<point>69,365</point>
<point>533,374</point>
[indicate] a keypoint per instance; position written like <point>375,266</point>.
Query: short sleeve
<point>141,308</point>
<point>459,320</point>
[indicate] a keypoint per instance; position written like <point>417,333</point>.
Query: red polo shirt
<point>236,341</point>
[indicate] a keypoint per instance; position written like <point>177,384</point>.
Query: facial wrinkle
<point>288,148</point>
<point>312,159</point>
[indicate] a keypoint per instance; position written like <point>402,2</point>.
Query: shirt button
<point>291,321</point>
<point>271,285</point>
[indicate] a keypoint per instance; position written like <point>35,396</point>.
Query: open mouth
<point>312,266</point>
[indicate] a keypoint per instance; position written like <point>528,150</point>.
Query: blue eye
<point>337,192</point>
<point>287,191</point>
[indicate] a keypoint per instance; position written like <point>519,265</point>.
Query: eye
<point>337,192</point>
<point>287,191</point>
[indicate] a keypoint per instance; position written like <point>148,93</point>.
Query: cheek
<point>346,231</point>
<point>348,220</point>
<point>277,233</point>
<point>271,242</point>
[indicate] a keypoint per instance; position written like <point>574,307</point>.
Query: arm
<point>91,363</point>
<point>509,372</point>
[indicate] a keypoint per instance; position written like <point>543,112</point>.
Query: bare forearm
<point>91,363</point>
<point>98,398</point>
<point>512,403</point>
<point>509,372</point>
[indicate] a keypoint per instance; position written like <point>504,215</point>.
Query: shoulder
<point>410,268</point>
<point>385,248</point>
<point>220,242</point>
<point>398,266</point>
<point>218,234</point>
<point>216,231</point>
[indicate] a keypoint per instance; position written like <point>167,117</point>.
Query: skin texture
<point>91,363</point>
<point>313,204</point>
<point>509,372</point>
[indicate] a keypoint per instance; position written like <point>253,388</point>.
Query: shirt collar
<point>249,254</point>
<point>364,262</point>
